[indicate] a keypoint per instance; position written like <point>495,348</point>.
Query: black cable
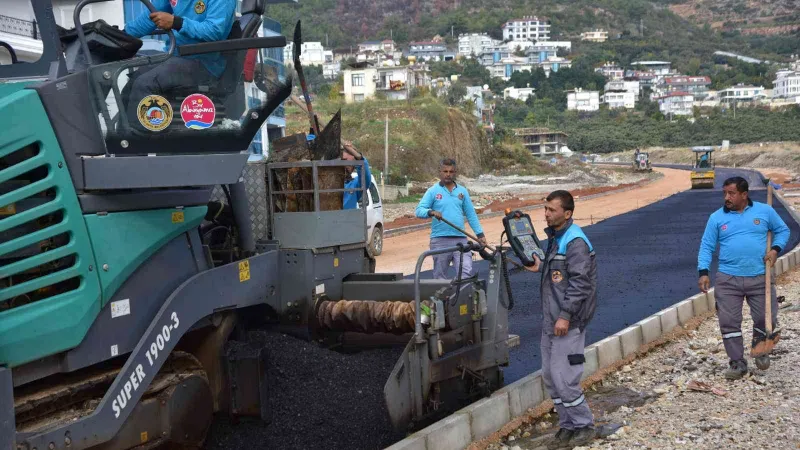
<point>504,269</point>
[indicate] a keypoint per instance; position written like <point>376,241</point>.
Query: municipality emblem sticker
<point>724,227</point>
<point>461,196</point>
<point>556,276</point>
<point>438,196</point>
<point>173,3</point>
<point>198,112</point>
<point>199,7</point>
<point>154,113</point>
<point>757,222</point>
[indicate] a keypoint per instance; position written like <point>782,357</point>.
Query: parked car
<point>374,219</point>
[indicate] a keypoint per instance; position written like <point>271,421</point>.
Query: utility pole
<point>451,31</point>
<point>326,39</point>
<point>385,157</point>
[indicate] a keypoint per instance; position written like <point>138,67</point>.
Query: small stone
<point>512,438</point>
<point>527,434</point>
<point>516,447</point>
<point>627,369</point>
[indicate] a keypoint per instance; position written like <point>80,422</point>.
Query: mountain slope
<point>653,27</point>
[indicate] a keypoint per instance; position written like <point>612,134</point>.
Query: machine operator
<point>569,298</point>
<point>192,22</point>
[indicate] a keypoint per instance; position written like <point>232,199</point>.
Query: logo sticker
<point>438,196</point>
<point>556,276</point>
<point>173,3</point>
<point>724,227</point>
<point>198,112</point>
<point>461,196</point>
<point>199,7</point>
<point>757,222</point>
<point>154,112</point>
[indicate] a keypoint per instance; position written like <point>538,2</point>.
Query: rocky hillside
<point>421,132</point>
<point>750,16</point>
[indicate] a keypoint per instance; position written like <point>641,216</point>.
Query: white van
<point>374,219</point>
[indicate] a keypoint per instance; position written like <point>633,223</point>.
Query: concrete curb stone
<point>685,311</point>
<point>488,415</point>
<point>451,433</point>
<point>669,319</point>
<point>609,351</point>
<point>592,363</point>
<point>631,339</point>
<point>651,328</point>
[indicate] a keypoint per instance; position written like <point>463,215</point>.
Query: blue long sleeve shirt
<point>203,21</point>
<point>350,199</point>
<point>454,206</point>
<point>742,239</point>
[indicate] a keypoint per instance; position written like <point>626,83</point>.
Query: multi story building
<point>395,82</point>
<point>697,86</point>
<point>580,100</point>
<point>631,86</point>
<point>507,66</point>
<point>529,28</point>
<point>518,93</point>
<point>542,141</point>
<point>314,54</point>
<point>786,84</point>
<point>612,71</point>
<point>473,44</point>
<point>655,67</point>
<point>741,93</point>
<point>618,99</point>
<point>676,103</point>
<point>430,51</point>
<point>553,64</point>
<point>595,36</point>
<point>541,51</point>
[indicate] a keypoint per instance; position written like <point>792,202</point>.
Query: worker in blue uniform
<point>740,228</point>
<point>447,199</point>
<point>192,22</point>
<point>353,178</point>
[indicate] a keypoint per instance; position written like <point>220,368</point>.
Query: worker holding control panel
<point>568,291</point>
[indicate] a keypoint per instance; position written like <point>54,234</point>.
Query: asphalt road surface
<point>322,399</point>
<point>646,260</point>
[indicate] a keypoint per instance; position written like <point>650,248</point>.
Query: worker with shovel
<point>743,230</point>
<point>446,199</point>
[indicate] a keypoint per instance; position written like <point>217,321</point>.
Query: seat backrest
<point>252,11</point>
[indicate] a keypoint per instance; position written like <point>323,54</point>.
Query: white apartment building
<point>619,99</point>
<point>580,100</point>
<point>363,84</point>
<point>507,66</point>
<point>518,93</point>
<point>787,84</point>
<point>631,86</point>
<point>529,28</point>
<point>567,45</point>
<point>741,93</point>
<point>654,67</point>
<point>612,71</point>
<point>554,64</point>
<point>595,36</point>
<point>314,54</point>
<point>676,103</point>
<point>473,44</point>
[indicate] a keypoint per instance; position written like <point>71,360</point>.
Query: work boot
<point>563,435</point>
<point>737,370</point>
<point>582,436</point>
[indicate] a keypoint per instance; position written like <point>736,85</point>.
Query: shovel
<point>762,350</point>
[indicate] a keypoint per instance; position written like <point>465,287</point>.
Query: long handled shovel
<point>765,347</point>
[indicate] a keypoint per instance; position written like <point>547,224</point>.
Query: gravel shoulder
<point>656,400</point>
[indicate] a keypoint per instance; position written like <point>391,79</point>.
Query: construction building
<point>542,141</point>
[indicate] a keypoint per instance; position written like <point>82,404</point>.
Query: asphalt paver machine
<point>124,282</point>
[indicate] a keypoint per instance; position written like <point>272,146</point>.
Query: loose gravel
<point>319,398</point>
<point>761,410</point>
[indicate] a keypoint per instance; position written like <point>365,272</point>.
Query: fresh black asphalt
<point>646,259</point>
<point>323,399</point>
